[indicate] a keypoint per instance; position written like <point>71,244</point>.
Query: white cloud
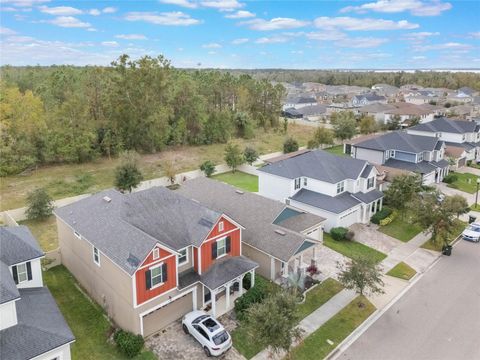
<point>177,18</point>
<point>92,29</point>
<point>69,22</point>
<point>273,39</point>
<point>361,42</point>
<point>60,10</point>
<point>357,24</point>
<point>182,3</point>
<point>274,24</point>
<point>6,31</point>
<point>110,43</point>
<point>419,36</point>
<point>297,52</point>
<point>94,12</point>
<point>451,46</point>
<point>475,35</point>
<point>326,35</point>
<point>222,5</point>
<point>109,10</point>
<point>212,52</point>
<point>20,39</point>
<point>25,3</point>
<point>240,41</point>
<point>419,57</point>
<point>415,7</point>
<point>241,14</point>
<point>131,36</point>
<point>212,46</point>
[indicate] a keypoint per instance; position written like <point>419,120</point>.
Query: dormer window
<point>156,253</point>
<point>220,226</point>
<point>297,183</point>
<point>22,273</point>
<point>392,153</point>
<point>340,187</point>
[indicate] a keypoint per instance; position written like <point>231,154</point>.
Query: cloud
<point>20,39</point>
<point>177,18</point>
<point>240,41</point>
<point>110,43</point>
<point>475,35</point>
<point>326,35</point>
<point>419,57</point>
<point>182,3</point>
<point>415,7</point>
<point>69,22</point>
<point>212,46</point>
<point>452,46</point>
<point>25,3</point>
<point>274,24</point>
<point>273,39</point>
<point>361,42</point>
<point>241,14</point>
<point>109,10</point>
<point>60,10</point>
<point>94,12</point>
<point>131,36</point>
<point>6,31</point>
<point>419,36</point>
<point>212,52</point>
<point>222,5</point>
<point>357,24</point>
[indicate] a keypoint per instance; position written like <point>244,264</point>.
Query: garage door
<point>162,317</point>
<point>349,218</point>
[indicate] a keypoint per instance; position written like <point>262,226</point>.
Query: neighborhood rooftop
<point>448,126</point>
<point>401,141</point>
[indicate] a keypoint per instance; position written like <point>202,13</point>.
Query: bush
<point>39,204</point>
<point>128,343</point>
<point>388,219</point>
<point>260,291</point>
<point>208,168</point>
<point>312,270</point>
<point>339,233</point>
<point>450,178</point>
<point>380,215</point>
<point>290,145</point>
<point>250,155</point>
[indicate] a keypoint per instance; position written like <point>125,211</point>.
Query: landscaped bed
<point>464,182</point>
<point>45,231</point>
<point>402,271</point>
<point>352,249</point>
<point>240,180</point>
<point>86,319</point>
<point>401,228</point>
<point>336,330</point>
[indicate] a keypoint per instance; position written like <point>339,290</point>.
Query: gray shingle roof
<point>318,164</point>
<point>466,145</point>
<point>127,227</point>
<point>335,204</point>
<point>18,245</point>
<point>225,270</point>
<point>313,110</point>
<point>254,212</point>
<point>8,289</point>
<point>370,97</point>
<point>423,167</point>
<point>446,125</point>
<point>41,327</point>
<point>298,222</point>
<point>401,141</point>
<point>368,197</point>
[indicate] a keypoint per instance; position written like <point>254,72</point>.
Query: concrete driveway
<point>327,260</point>
<point>450,192</point>
<point>173,344</point>
<point>370,236</point>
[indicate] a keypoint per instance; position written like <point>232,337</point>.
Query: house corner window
<point>96,256</point>
<point>156,253</point>
<point>183,257</point>
<point>370,182</point>
<point>220,226</point>
<point>22,274</point>
<point>340,187</point>
<point>297,183</point>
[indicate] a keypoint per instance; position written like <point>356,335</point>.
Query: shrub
<point>208,168</point>
<point>312,270</point>
<point>350,235</point>
<point>388,219</point>
<point>260,291</point>
<point>450,178</point>
<point>250,155</point>
<point>338,233</point>
<point>290,145</point>
<point>128,343</point>
<point>40,204</point>
<point>380,215</point>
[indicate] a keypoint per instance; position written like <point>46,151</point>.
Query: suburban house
<point>299,102</point>
<point>387,90</point>
<point>377,111</point>
<point>340,189</point>
<point>309,113</point>
<point>278,237</point>
<point>31,325</point>
<point>423,155</point>
<point>407,112</point>
<point>455,134</point>
<point>367,99</point>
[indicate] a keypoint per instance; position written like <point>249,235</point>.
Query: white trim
<point>156,266</point>
<point>155,253</point>
<point>199,255</point>
<point>134,290</point>
<point>221,226</point>
<point>58,347</point>
<point>219,219</point>
<point>77,234</point>
<point>155,262</point>
<point>219,236</point>
<point>156,297</point>
<point>224,247</point>
<point>186,253</point>
<point>98,255</point>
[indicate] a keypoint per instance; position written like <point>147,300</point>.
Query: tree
<point>208,168</point>
<point>233,156</point>
<point>344,125</point>
<point>368,125</point>
<point>290,145</point>
<point>39,205</point>
<point>250,155</point>
<point>321,137</point>
<point>363,275</point>
<point>457,204</point>
<point>402,190</point>
<point>393,123</point>
<point>273,322</point>
<point>170,171</point>
<point>127,174</point>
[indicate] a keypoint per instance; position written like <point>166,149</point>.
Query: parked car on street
<point>472,232</point>
<point>214,339</point>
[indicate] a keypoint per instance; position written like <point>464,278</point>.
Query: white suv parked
<point>472,232</point>
<point>214,339</point>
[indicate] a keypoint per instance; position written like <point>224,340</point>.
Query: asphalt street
<point>437,319</point>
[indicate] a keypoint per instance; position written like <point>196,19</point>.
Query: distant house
<point>31,325</point>
<point>367,99</point>
<point>292,113</point>
<point>459,97</point>
<point>455,133</point>
<point>407,112</point>
<point>423,155</point>
<point>467,91</point>
<point>387,90</point>
<point>340,189</point>
<point>299,102</point>
<point>313,112</point>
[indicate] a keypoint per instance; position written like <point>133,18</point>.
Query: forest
<point>66,114</point>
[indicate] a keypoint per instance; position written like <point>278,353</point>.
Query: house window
<point>22,274</point>
<point>183,257</point>
<point>96,256</point>
<point>221,247</point>
<point>392,153</point>
<point>420,157</point>
<point>220,226</point>
<point>156,253</point>
<point>438,134</point>
<point>340,187</point>
<point>156,275</point>
<point>207,295</point>
<point>297,183</point>
<point>370,182</point>
<point>304,181</point>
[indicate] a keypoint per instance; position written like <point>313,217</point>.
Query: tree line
<point>63,114</point>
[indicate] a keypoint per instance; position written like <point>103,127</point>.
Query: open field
<point>74,179</point>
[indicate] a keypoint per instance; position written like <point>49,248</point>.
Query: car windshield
<point>211,324</point>
<point>220,338</point>
<point>474,228</point>
<point>198,319</point>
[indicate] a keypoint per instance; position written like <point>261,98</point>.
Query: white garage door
<point>349,218</point>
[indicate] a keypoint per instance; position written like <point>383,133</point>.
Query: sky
<point>377,34</point>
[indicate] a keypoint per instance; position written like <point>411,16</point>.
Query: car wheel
<point>207,351</point>
<point>185,329</point>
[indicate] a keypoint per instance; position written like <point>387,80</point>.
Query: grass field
<point>402,271</point>
<point>86,319</point>
<point>401,228</point>
<point>45,231</point>
<point>74,179</point>
<point>465,182</point>
<point>336,330</point>
<point>240,180</point>
<point>336,150</point>
<point>352,249</point>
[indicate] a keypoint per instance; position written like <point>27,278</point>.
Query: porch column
<point>381,203</point>
<point>285,269</point>
<point>301,260</point>
<point>314,255</point>
<point>213,302</point>
<point>227,293</point>
<point>252,278</point>
<point>272,268</point>
<point>241,285</point>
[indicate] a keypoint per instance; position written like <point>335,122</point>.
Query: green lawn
<point>352,249</point>
<point>336,330</point>
<point>45,231</point>
<point>402,271</point>
<point>437,246</point>
<point>465,182</point>
<point>314,299</point>
<point>240,180</point>
<point>86,319</point>
<point>401,228</point>
<point>336,150</point>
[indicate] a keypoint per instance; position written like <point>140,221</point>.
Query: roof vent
<point>240,192</point>
<point>107,199</point>
<point>280,232</point>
